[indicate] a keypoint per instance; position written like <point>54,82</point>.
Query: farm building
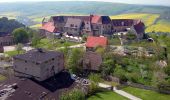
<point>1,49</point>
<point>6,39</point>
<point>92,25</point>
<point>93,42</point>
<point>38,64</point>
<point>92,61</point>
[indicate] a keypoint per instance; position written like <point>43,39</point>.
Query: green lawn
<point>53,44</point>
<point>36,26</point>
<point>114,41</point>
<point>146,94</point>
<point>106,95</point>
<point>13,53</point>
<point>160,26</point>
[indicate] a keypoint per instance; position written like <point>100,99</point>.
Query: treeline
<point>8,25</point>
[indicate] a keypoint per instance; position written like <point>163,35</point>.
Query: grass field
<point>53,44</point>
<point>146,94</point>
<point>36,26</point>
<point>149,20</point>
<point>13,53</point>
<point>106,95</point>
<point>160,26</point>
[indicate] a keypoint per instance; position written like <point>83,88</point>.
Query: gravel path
<point>120,92</point>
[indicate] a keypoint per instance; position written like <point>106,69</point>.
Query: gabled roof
<point>92,58</point>
<point>106,19</point>
<point>3,34</point>
<point>96,41</point>
<point>139,27</point>
<point>73,23</point>
<point>59,19</point>
<point>38,55</point>
<point>49,26</point>
<point>122,22</point>
<point>95,19</point>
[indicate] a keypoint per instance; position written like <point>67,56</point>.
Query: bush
<point>120,73</point>
<point>20,35</point>
<point>73,95</point>
<point>95,77</point>
<point>93,88</point>
<point>131,36</point>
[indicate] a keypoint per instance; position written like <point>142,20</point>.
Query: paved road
<point>125,94</point>
<point>74,46</point>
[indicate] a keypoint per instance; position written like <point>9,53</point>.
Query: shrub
<point>93,88</point>
<point>120,73</point>
<point>95,77</point>
<point>73,95</point>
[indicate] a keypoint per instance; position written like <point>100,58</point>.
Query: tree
<point>8,25</point>
<point>35,39</point>
<point>100,50</point>
<point>20,35</point>
<point>19,47</point>
<point>120,73</point>
<point>93,88</point>
<point>95,77</point>
<point>107,67</point>
<point>73,95</point>
<point>84,37</point>
<point>73,61</point>
<point>167,70</point>
<point>130,35</point>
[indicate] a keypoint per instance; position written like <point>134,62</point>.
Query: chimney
<point>40,50</point>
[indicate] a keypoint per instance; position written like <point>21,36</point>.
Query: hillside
<point>39,9</point>
<point>153,22</point>
<point>156,18</point>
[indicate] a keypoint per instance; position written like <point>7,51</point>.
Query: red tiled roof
<point>96,41</point>
<point>49,26</point>
<point>95,19</point>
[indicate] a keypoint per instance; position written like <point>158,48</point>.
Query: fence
<point>146,87</point>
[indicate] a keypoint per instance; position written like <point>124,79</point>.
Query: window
<point>25,69</point>
<point>37,63</point>
<point>52,58</point>
<point>71,25</point>
<point>15,66</point>
<point>25,61</point>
